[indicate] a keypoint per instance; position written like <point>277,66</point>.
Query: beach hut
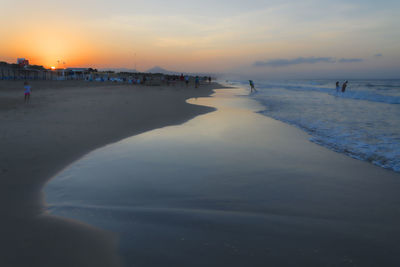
<point>76,73</point>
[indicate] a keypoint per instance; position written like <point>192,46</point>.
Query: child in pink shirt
<point>28,91</point>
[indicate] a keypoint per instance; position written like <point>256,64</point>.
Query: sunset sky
<point>259,37</point>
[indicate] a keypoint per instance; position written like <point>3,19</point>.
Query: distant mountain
<point>118,69</point>
<point>158,69</point>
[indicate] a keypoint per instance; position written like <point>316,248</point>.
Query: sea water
<point>233,188</point>
<point>363,122</point>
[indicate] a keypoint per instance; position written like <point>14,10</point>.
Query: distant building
<point>72,73</point>
<point>77,70</point>
<point>22,62</point>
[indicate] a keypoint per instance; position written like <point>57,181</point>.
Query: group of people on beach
<point>171,80</point>
<point>168,80</point>
<point>183,79</point>
<point>343,87</point>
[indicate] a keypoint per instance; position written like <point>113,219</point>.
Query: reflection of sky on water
<point>227,188</point>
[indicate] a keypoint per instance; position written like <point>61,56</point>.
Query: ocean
<point>363,122</point>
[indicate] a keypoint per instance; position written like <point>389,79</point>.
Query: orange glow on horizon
<point>58,46</point>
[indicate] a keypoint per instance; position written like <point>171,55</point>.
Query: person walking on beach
<point>252,88</point>
<point>187,80</point>
<point>182,79</point>
<point>27,89</point>
<point>197,82</point>
<point>337,87</point>
<point>209,79</point>
<point>344,86</point>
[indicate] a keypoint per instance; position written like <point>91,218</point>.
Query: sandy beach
<point>63,121</point>
<point>222,186</point>
<point>200,133</point>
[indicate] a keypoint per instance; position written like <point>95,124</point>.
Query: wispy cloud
<point>281,62</point>
<point>350,60</point>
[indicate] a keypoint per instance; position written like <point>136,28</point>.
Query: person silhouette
<point>27,92</point>
<point>252,88</point>
<point>337,87</point>
<point>344,86</point>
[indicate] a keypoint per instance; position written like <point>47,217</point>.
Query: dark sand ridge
<point>64,121</point>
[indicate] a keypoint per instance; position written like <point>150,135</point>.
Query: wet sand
<point>63,121</point>
<point>233,188</point>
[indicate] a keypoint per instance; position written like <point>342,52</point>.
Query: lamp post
<point>63,70</point>
<point>135,62</point>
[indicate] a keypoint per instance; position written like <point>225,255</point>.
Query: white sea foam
<point>363,122</point>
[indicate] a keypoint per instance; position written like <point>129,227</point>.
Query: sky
<point>268,38</point>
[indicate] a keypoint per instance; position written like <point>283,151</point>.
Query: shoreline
<point>226,187</point>
<point>63,122</point>
<point>360,123</point>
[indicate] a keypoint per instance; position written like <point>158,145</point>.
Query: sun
<point>53,68</point>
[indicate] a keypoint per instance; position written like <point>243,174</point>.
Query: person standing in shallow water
<point>344,86</point>
<point>197,81</point>
<point>337,87</point>
<point>252,88</point>
<point>27,92</point>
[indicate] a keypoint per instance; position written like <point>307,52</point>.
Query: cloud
<point>378,55</point>
<point>350,60</point>
<point>281,62</point>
